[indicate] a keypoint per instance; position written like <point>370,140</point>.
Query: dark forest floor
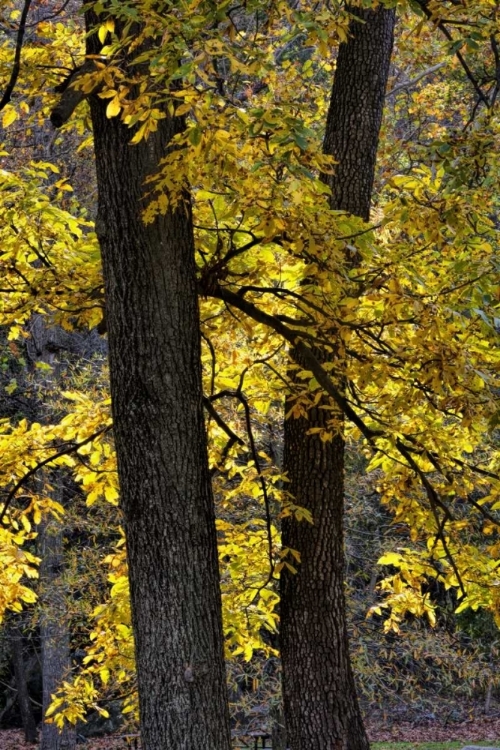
<point>486,728</point>
<point>478,729</point>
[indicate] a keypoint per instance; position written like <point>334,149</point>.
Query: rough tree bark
<point>166,497</point>
<point>356,106</point>
<point>320,701</point>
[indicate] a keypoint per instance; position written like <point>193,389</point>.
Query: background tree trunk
<point>54,629</point>
<point>320,701</point>
<point>166,496</point>
<point>15,636</point>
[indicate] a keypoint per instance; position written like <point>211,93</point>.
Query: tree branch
<point>71,448</point>
<point>71,95</point>
<point>468,72</point>
<point>293,338</point>
<point>413,82</point>
<point>220,422</point>
<point>17,56</point>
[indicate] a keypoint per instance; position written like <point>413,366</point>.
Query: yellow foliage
<point>412,300</point>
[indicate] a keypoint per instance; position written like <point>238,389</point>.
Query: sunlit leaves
<point>16,565</point>
<point>49,257</point>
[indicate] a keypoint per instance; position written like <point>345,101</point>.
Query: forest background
<point>412,298</point>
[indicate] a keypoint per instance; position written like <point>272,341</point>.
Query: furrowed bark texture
<point>356,107</point>
<point>166,497</point>
<point>320,701</point>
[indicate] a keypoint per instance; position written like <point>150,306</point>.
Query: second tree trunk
<point>320,701</point>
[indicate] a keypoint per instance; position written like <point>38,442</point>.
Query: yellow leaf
<point>111,494</point>
<point>102,33</point>
<point>141,133</point>
<point>390,558</point>
<point>26,524</point>
<point>95,457</point>
<point>113,108</point>
<point>9,116</point>
<point>183,109</point>
<point>104,675</point>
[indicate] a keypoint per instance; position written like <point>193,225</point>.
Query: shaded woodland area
<point>249,291</point>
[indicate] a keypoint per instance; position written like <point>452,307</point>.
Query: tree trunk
<point>320,701</point>
<point>154,354</point>
<point>356,106</point>
<point>45,344</point>
<point>54,630</point>
<point>15,637</point>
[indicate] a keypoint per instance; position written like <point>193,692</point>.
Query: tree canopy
<point>409,296</point>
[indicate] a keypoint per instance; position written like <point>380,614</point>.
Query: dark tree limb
<point>463,62</point>
<point>220,422</point>
<point>72,95</point>
<point>17,57</point>
<point>293,338</point>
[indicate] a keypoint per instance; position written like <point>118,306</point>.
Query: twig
<point>434,502</point>
<point>413,82</point>
<point>71,448</point>
<point>220,422</point>
<point>460,57</point>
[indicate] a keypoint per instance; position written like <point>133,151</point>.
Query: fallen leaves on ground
<point>13,739</point>
<point>484,728</point>
<point>478,729</point>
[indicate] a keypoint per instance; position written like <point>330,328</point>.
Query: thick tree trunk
<point>166,496</point>
<point>320,701</point>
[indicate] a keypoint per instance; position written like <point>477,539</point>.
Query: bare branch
<point>413,82</point>
<point>220,422</point>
